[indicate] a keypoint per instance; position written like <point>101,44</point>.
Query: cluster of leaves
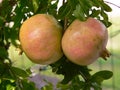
<point>14,12</point>
<point>82,9</point>
<point>72,73</point>
<point>93,82</point>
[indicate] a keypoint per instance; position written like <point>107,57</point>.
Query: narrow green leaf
<point>1,21</point>
<point>52,8</point>
<point>63,86</point>
<point>19,72</point>
<point>77,84</point>
<point>27,85</point>
<point>107,23</point>
<point>63,11</point>
<point>115,33</point>
<point>3,52</point>
<point>85,6</point>
<point>106,7</point>
<point>100,76</point>
<point>79,13</point>
<point>10,87</point>
<point>73,3</point>
<point>87,3</point>
<point>105,17</point>
<point>95,3</point>
<point>6,85</point>
<point>35,5</point>
<point>95,13</point>
<point>49,86</point>
<point>96,86</point>
<point>69,70</point>
<point>43,6</point>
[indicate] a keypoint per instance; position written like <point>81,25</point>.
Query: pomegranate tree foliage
<point>14,12</point>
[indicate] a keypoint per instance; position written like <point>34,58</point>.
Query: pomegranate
<point>84,42</point>
<point>40,38</point>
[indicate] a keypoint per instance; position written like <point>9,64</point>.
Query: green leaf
<point>19,72</point>
<point>115,33</point>
<point>63,86</point>
<point>73,3</point>
<point>69,70</point>
<point>35,5</point>
<point>3,52</point>
<point>96,86</point>
<point>28,70</point>
<point>43,6</point>
<point>105,17</point>
<point>10,87</point>
<point>64,11</point>
<point>1,21</point>
<point>106,23</point>
<point>79,13</point>
<point>18,18</point>
<point>27,85</point>
<point>4,11</point>
<point>49,86</point>
<point>86,3</point>
<point>100,76</point>
<point>7,85</point>
<point>95,13</point>
<point>95,3</point>
<point>86,6</point>
<point>2,68</point>
<point>77,84</point>
<point>106,7</point>
<point>5,72</point>
<point>52,8</point>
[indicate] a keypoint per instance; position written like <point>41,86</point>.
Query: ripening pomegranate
<point>40,38</point>
<point>84,42</point>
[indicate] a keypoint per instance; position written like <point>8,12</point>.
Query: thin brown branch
<point>63,2</point>
<point>65,19</point>
<point>112,4</point>
<point>84,77</point>
<point>65,23</point>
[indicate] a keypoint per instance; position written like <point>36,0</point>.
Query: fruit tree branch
<point>112,4</point>
<point>65,19</point>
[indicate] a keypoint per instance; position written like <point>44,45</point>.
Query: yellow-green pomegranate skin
<point>40,37</point>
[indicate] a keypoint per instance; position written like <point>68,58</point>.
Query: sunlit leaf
<point>49,86</point>
<point>96,86</point>
<point>63,86</point>
<point>79,13</point>
<point>10,87</point>
<point>35,5</point>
